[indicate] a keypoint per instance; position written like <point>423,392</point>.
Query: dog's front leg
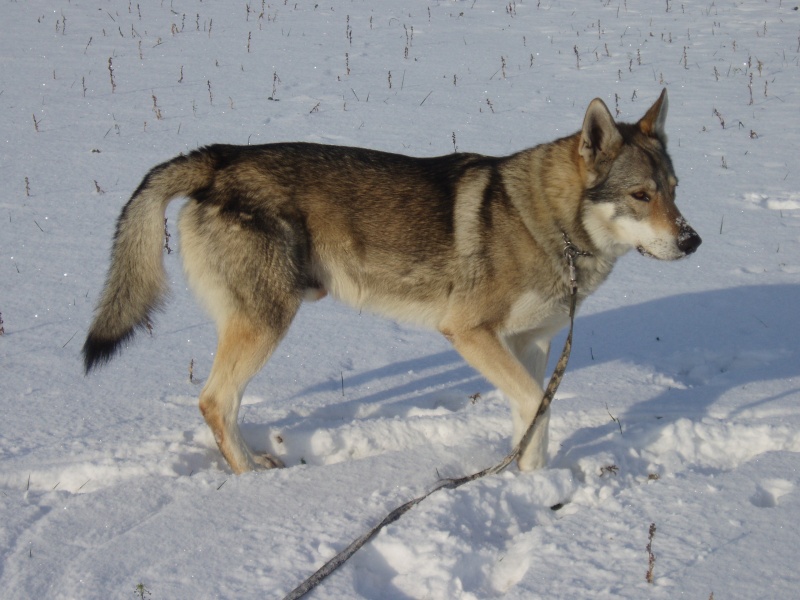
<point>532,350</point>
<point>486,351</point>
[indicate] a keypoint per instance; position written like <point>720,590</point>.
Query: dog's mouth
<point>681,253</point>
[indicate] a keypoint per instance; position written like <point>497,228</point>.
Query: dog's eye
<point>642,196</point>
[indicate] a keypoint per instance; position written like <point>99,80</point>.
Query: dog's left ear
<point>600,139</point>
<point>652,123</point>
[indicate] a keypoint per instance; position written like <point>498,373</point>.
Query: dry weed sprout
<point>651,558</point>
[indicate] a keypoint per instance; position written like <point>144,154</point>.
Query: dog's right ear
<point>600,139</point>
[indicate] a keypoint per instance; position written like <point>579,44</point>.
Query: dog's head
<point>630,185</point>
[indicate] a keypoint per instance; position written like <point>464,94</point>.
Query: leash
<point>571,252</point>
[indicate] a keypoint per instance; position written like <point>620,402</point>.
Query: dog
<point>469,245</point>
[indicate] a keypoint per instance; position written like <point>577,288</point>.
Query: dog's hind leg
<point>243,348</point>
<point>251,280</point>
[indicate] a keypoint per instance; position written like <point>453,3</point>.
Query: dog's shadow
<point>446,369</point>
<point>706,343</point>
<point>700,346</point>
<point>408,395</point>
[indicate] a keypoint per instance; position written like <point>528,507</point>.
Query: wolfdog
<point>469,245</point>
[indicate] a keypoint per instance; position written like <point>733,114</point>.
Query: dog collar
<point>571,252</point>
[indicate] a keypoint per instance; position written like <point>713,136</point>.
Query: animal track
<point>782,201</point>
<point>769,491</point>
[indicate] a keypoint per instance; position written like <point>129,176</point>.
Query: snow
<point>679,408</point>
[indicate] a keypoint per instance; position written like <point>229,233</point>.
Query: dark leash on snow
<point>571,252</point>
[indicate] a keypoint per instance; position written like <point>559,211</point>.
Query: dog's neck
<point>571,252</point>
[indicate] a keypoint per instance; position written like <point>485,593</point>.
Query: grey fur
<point>467,244</point>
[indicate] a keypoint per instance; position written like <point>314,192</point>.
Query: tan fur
<point>242,350</point>
<point>470,245</point>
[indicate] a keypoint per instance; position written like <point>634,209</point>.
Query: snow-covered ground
<point>681,406</point>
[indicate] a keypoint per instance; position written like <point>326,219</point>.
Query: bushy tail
<point>136,282</point>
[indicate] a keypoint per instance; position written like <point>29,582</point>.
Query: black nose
<point>688,240</point>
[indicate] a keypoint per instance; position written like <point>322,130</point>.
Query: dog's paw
<point>532,458</point>
<point>267,461</point>
<point>534,455</point>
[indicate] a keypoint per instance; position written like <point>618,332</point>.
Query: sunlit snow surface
<point>681,406</point>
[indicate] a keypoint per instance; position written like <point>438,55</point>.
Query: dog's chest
<point>533,310</point>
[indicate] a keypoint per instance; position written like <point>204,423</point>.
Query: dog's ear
<point>652,123</point>
<point>600,139</point>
